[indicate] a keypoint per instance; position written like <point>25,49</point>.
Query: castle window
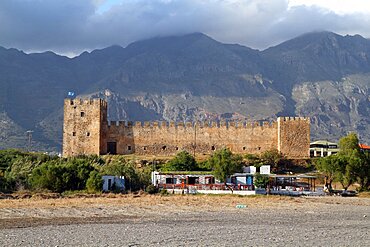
<point>87,133</point>
<point>73,133</point>
<point>144,148</point>
<point>71,102</point>
<point>82,114</point>
<point>259,148</point>
<point>244,148</point>
<point>177,148</point>
<point>164,148</point>
<point>129,148</point>
<point>213,148</point>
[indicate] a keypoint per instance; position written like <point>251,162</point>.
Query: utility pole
<point>29,134</point>
<point>195,136</point>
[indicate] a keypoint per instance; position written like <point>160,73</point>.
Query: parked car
<point>348,193</point>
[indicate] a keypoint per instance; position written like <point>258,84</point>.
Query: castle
<point>86,130</point>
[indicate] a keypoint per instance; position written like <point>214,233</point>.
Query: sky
<point>69,27</point>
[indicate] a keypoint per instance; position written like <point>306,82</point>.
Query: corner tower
<point>82,127</point>
<point>294,137</point>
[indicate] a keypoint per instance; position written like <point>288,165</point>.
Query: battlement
<point>192,125</point>
<point>85,102</point>
<point>286,119</point>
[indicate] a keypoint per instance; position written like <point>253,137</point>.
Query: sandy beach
<point>175,220</point>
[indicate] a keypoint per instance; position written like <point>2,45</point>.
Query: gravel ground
<point>298,223</point>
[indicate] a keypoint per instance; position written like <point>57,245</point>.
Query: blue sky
<point>105,6</point>
<point>72,26</point>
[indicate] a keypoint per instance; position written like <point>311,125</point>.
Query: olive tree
<point>183,161</point>
<point>224,163</point>
<point>329,166</point>
<point>349,166</point>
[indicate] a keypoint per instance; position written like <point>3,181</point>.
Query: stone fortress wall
<point>87,131</point>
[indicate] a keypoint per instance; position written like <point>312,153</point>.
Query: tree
<point>353,166</point>
<point>260,180</point>
<point>364,173</point>
<point>348,144</point>
<point>183,161</point>
<point>224,163</point>
<point>329,166</point>
<point>350,165</point>
<point>272,157</point>
<point>253,160</point>
<point>358,168</point>
<point>345,173</point>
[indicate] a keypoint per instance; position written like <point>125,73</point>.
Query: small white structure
<point>116,183</point>
<point>265,169</point>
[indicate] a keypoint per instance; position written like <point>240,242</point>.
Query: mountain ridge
<point>191,77</point>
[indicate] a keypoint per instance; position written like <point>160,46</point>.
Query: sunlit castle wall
<point>289,135</point>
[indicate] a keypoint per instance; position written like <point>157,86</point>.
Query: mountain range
<point>322,75</point>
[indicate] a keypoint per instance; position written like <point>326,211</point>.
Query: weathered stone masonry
<point>87,131</point>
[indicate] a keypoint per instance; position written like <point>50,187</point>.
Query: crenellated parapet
<point>192,125</point>
<point>85,102</point>
<point>286,119</point>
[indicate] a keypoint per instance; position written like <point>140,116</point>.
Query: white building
<point>204,182</point>
<point>323,148</point>
<point>113,183</point>
<point>262,169</point>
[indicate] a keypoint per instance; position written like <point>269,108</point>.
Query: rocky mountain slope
<point>322,75</point>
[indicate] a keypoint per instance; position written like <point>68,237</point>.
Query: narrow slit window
<point>73,133</point>
<point>129,148</point>
<point>87,133</point>
<point>82,114</point>
<point>213,148</point>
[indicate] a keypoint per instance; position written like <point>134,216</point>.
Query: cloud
<point>70,26</point>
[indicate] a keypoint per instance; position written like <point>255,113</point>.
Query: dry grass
<point>210,202</point>
<point>365,194</point>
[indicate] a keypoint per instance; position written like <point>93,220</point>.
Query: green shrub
<point>164,192</point>
<point>183,161</point>
<point>135,178</point>
<point>58,176</point>
<point>151,189</point>
<point>261,180</point>
<point>95,182</point>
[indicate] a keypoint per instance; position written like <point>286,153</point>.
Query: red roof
<point>363,146</point>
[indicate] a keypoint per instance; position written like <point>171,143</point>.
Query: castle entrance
<point>112,147</point>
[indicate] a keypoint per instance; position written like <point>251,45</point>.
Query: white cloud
<point>71,26</point>
<point>341,7</point>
